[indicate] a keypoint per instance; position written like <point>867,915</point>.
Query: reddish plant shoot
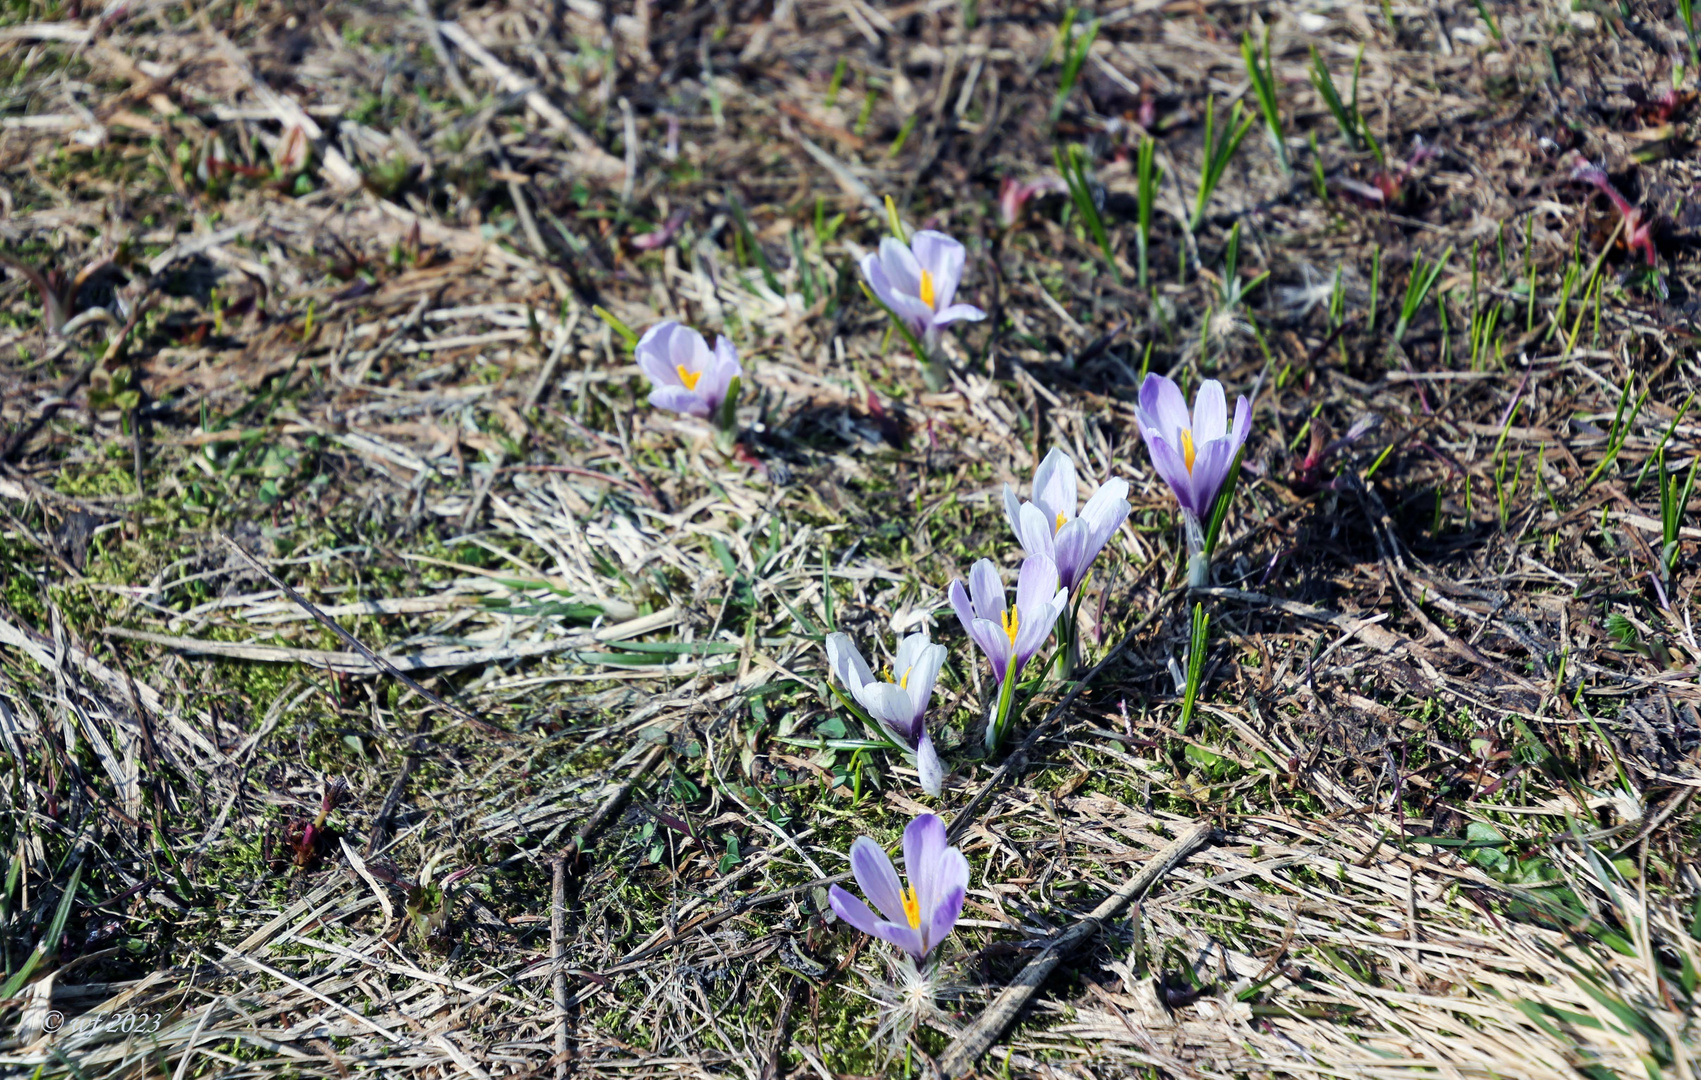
<point>1638,230</point>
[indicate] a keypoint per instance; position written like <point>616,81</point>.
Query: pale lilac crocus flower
<point>918,282</point>
<point>917,918</point>
<point>1193,453</point>
<point>1048,525</point>
<point>899,707</point>
<point>687,377</point>
<point>1009,636</point>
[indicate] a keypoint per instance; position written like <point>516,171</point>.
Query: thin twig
<point>978,1038</point>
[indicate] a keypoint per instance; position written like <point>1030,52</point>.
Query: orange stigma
<point>927,294</point>
<point>1187,448</point>
<point>912,908</point>
<point>689,378</point>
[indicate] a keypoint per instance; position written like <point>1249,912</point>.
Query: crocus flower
<point>687,377</point>
<point>900,707</point>
<point>1010,636</point>
<point>1049,526</point>
<point>1193,453</point>
<point>917,918</point>
<point>918,281</point>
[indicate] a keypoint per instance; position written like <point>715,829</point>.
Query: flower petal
<point>1210,469</point>
<point>654,353</point>
<point>1162,402</point>
<point>680,400</point>
<point>1097,522</point>
<point>1034,530</point>
<point>986,590</point>
<point>852,910</point>
<point>927,765</point>
<point>995,643</point>
<point>846,662</point>
<point>1168,463</point>
<point>1013,511</point>
<point>1037,627</point>
<point>1035,585</point>
<point>942,257</point>
<point>952,887</point>
<point>901,268</point>
<point>918,683</point>
<point>909,651</point>
<point>722,367</point>
<point>889,704</point>
<point>962,605</point>
<point>924,844</point>
<point>875,275</point>
<point>1070,553</point>
<point>958,313</point>
<point>916,315</point>
<point>1242,421</point>
<point>856,913</point>
<point>1210,412</point>
<point>877,879</point>
<point>1055,488</point>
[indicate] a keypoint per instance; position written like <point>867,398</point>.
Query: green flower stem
<point>996,729</point>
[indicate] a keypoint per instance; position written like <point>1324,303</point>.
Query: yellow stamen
<point>904,683</point>
<point>912,908</point>
<point>1060,520</point>
<point>927,288</point>
<point>689,378</point>
<point>1187,448</point>
<point>1011,618</point>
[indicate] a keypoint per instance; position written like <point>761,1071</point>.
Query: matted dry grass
<point>585,785</point>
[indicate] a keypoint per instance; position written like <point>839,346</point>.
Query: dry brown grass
<point>585,797</point>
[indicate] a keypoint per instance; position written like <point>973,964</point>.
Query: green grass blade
<point>50,941</point>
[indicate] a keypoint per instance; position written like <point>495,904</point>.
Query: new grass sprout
<point>1220,147</point>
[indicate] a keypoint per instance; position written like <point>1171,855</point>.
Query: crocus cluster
<point>1196,452</point>
<point>1060,539</point>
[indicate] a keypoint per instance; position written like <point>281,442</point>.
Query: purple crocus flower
<point>918,281</point>
<point>687,377</point>
<point>1193,453</point>
<point>1049,526</point>
<point>900,707</point>
<point>1010,637</point>
<point>917,918</point>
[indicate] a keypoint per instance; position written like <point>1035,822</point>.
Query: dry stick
<point>616,798</point>
<point>349,639</point>
<point>968,1047</point>
<point>557,956</point>
<point>772,1068</point>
